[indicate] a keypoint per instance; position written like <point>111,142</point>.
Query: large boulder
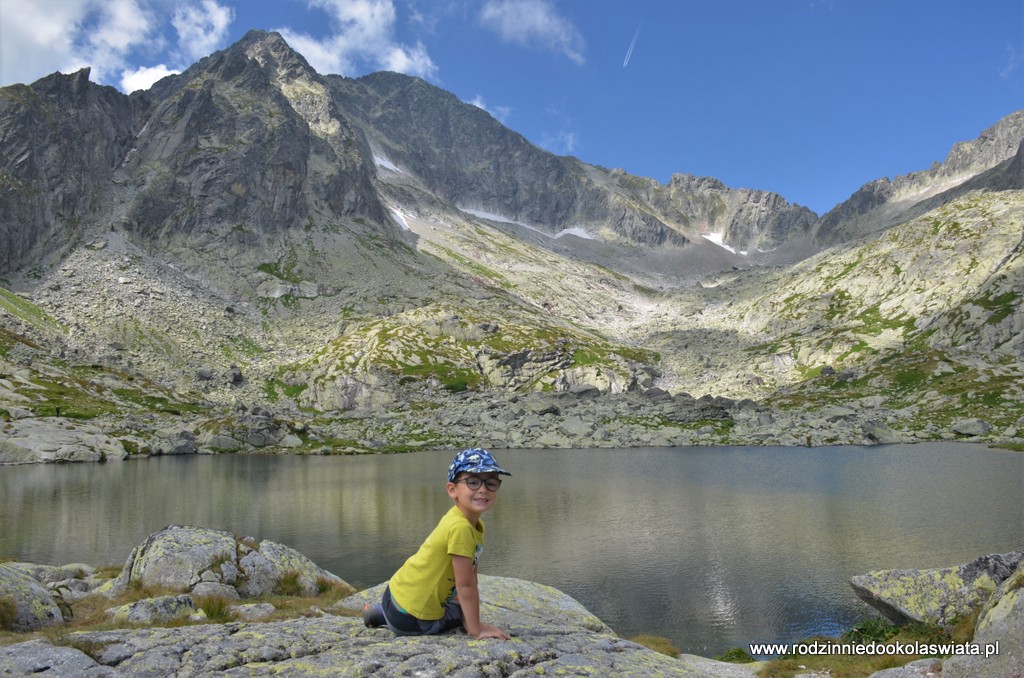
<point>1001,622</point>
<point>266,568</point>
<point>971,427</point>
<point>937,596</point>
<point>54,439</point>
<point>190,559</point>
<point>33,605</point>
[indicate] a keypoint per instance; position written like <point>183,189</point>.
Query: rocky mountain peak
<point>271,51</point>
<point>881,203</point>
<point>993,146</point>
<point>691,183</point>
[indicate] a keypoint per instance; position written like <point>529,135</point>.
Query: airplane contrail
<point>629,52</point>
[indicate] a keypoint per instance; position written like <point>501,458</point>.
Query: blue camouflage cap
<point>476,460</point>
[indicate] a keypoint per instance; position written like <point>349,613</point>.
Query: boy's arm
<point>469,599</point>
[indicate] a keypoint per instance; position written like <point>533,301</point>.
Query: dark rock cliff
<point>245,143</point>
<point>60,141</point>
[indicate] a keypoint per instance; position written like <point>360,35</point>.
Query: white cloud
<point>36,37</point>
<point>501,113</point>
<point>120,26</point>
<point>414,60</point>
<point>535,24</point>
<point>561,142</point>
<point>40,37</point>
<point>201,28</point>
<point>1013,62</point>
<point>364,34</point>
<point>143,78</point>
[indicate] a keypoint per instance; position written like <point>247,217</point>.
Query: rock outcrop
<point>543,644</point>
<point>982,163</point>
<point>57,440</point>
<point>990,585</point>
<point>937,597</point>
<point>1002,622</point>
<point>204,561</point>
<point>31,605</point>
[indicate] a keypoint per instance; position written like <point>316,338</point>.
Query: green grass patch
<point>29,312</point>
<point>736,655</point>
<point>156,403</point>
<point>289,584</point>
<point>282,271</point>
<point>1000,307</point>
<point>8,339</point>
<point>242,347</point>
<point>217,608</point>
<point>874,323</point>
<point>477,268</point>
<point>452,378</point>
<point>8,613</point>
<point>447,343</point>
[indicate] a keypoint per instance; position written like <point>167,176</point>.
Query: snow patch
<point>719,239</point>
<point>400,218</point>
<point>490,216</point>
<point>382,161</point>
<point>576,231</point>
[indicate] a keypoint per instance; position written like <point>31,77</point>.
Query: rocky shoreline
<point>583,418</point>
<point>551,632</point>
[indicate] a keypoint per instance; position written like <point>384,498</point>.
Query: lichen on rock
<point>34,606</point>
<point>939,596</point>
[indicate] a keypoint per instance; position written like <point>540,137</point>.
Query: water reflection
<point>713,547</point>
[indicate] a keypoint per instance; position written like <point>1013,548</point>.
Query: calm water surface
<point>712,547</point>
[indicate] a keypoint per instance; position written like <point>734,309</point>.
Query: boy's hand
<point>488,631</point>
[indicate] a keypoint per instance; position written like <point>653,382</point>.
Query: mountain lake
<point>712,547</point>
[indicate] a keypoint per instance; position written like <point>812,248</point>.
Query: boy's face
<point>473,502</point>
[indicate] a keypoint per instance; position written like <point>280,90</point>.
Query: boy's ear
<point>451,487</point>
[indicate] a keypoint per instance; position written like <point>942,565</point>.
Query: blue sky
<point>807,98</point>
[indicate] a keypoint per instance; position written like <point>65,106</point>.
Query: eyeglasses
<point>474,483</point>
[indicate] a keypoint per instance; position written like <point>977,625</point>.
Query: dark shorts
<point>404,624</point>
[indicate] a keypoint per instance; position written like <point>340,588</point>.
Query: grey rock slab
<point>39,657</point>
<point>342,646</point>
<point>34,605</point>
<point>1001,621</point>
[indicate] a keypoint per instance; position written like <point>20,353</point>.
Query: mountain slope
<point>372,256</point>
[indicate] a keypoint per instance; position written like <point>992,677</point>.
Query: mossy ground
<point>89,391</point>
<point>90,613</point>
<point>441,343</point>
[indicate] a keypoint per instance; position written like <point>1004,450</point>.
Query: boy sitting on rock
<point>436,589</point>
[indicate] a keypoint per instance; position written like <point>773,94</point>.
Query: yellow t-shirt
<point>427,579</point>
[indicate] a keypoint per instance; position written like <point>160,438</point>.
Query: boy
<point>436,589</point>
